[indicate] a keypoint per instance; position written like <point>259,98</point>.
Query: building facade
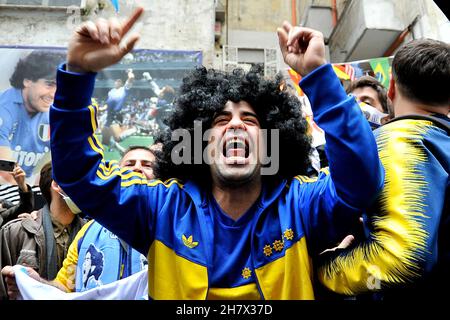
<point>235,32</point>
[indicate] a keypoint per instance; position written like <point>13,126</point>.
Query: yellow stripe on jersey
<point>108,167</point>
<point>94,140</point>
<point>131,174</point>
<point>98,143</point>
<point>107,175</point>
<point>173,277</point>
<point>289,277</point>
<point>67,274</point>
<point>151,183</point>
<point>305,179</point>
<point>247,292</point>
<point>399,237</point>
<point>93,118</point>
<point>94,147</point>
<point>108,170</point>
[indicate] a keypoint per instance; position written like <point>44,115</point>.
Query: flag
<point>358,71</point>
<point>115,4</point>
<point>340,72</point>
<point>134,287</point>
<point>295,77</point>
<point>380,67</point>
<point>348,68</point>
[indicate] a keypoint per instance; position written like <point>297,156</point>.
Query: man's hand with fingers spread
<point>303,49</point>
<point>95,46</point>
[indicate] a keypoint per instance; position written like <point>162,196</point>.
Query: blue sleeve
<point>351,149</point>
<point>327,219</point>
<point>356,172</point>
<point>123,201</point>
<point>6,123</point>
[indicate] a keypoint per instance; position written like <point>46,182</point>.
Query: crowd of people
<point>372,224</point>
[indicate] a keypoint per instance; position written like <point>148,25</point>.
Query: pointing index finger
<point>128,24</point>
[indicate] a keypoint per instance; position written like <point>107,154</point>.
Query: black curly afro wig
<point>206,91</point>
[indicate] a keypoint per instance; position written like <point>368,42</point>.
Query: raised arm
<point>355,169</point>
<point>120,201</point>
<point>95,46</point>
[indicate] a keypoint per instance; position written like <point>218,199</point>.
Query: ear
<point>55,187</point>
<point>27,83</point>
<point>392,89</point>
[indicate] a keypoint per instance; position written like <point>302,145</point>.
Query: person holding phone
<point>26,203</point>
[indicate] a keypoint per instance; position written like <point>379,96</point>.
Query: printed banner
<point>134,287</point>
<point>132,97</point>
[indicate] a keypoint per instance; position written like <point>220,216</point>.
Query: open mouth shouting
<point>236,150</point>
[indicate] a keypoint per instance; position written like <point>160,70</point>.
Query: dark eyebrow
<point>248,113</point>
<point>227,113</point>
<point>221,113</point>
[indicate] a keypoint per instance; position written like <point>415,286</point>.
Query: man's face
<point>118,83</point>
<point>234,145</point>
<point>368,95</point>
<point>38,95</point>
<point>139,160</point>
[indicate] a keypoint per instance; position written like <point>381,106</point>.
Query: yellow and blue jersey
<point>407,249</point>
<point>194,250</point>
<point>114,259</point>
<point>67,274</point>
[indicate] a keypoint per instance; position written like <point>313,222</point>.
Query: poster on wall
<point>133,98</point>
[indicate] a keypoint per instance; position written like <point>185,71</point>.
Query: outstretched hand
<point>95,46</point>
<point>303,49</point>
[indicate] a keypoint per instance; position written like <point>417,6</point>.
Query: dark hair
<point>371,82</point>
<point>37,65</point>
<point>205,92</point>
<point>97,261</point>
<point>421,69</point>
<point>45,182</point>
